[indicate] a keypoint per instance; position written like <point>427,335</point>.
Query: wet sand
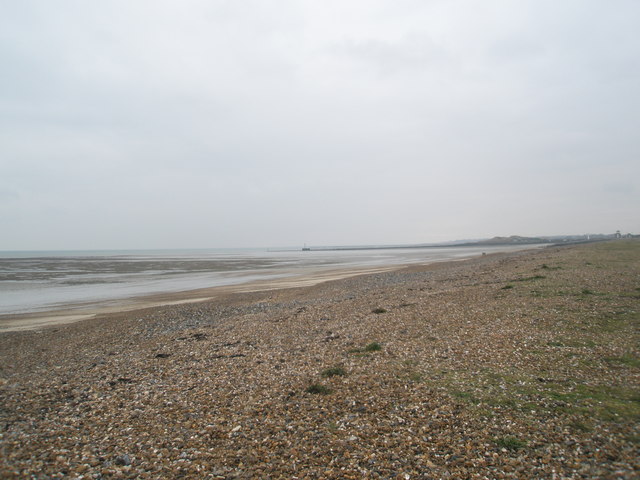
<point>78,312</point>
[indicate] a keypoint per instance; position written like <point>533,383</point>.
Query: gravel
<point>473,380</point>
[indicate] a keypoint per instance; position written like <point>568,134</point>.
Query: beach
<point>38,289</point>
<point>79,312</point>
<point>508,365</point>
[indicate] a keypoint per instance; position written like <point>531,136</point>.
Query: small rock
<point>122,460</point>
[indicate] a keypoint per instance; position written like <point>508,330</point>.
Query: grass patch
<point>373,347</point>
<point>547,267</point>
<point>318,389</point>
<point>379,310</point>
<point>510,443</point>
<point>333,372</point>
<point>496,393</point>
<point>528,279</point>
<point>626,360</point>
<point>597,401</point>
<point>464,396</point>
<point>615,321</point>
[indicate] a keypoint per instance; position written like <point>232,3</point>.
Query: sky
<point>217,124</point>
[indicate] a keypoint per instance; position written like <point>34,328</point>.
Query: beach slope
<point>519,365</point>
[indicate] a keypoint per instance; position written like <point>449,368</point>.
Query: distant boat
<point>305,248</point>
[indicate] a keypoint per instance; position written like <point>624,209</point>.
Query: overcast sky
<point>170,124</point>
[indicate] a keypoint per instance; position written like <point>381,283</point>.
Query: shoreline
<point>190,274</point>
<point>72,313</point>
<point>519,365</point>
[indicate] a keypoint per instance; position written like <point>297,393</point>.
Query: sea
<point>36,281</point>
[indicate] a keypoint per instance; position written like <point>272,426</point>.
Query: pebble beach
<point>521,365</point>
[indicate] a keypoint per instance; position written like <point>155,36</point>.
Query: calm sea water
<point>37,281</point>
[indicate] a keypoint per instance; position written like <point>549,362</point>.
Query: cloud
<point>333,122</point>
<point>8,196</point>
<point>620,188</point>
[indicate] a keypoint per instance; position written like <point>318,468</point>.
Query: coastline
<point>72,313</point>
<point>37,286</point>
<point>517,365</point>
